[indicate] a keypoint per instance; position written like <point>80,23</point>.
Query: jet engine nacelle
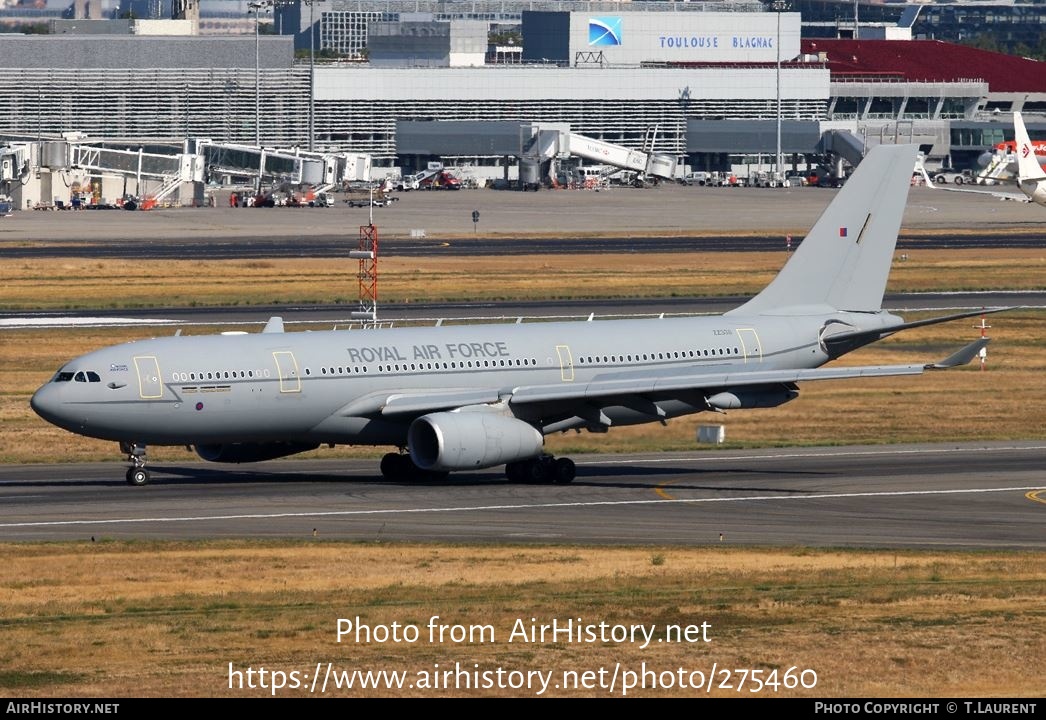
<point>250,452</point>
<point>470,440</point>
<point>752,398</point>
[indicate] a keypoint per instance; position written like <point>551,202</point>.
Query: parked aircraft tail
<point>1028,167</point>
<point>844,261</point>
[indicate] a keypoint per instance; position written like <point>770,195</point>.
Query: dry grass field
<point>144,619</point>
<point>110,284</point>
<point>140,619</point>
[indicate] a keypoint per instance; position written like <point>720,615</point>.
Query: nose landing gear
<point>136,474</point>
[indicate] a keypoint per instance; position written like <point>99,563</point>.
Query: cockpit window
<point>82,376</point>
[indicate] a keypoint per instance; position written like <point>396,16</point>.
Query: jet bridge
<point>846,145</point>
<point>75,162</point>
<point>542,145</point>
<point>851,148</point>
<point>169,171</point>
<point>14,161</point>
<point>266,166</point>
<point>48,173</point>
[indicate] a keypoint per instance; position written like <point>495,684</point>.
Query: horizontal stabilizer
<point>961,357</point>
<point>842,343</point>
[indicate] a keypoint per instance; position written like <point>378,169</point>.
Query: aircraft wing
<point>604,390</point>
<point>1001,194</point>
<point>683,381</point>
<point>419,402</point>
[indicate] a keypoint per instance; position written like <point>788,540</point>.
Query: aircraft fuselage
<point>328,387</point>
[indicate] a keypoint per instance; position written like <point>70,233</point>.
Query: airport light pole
<point>778,6</point>
<point>257,81</point>
<point>256,7</point>
<point>312,71</point>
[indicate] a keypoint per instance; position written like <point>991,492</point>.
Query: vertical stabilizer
<point>844,261</point>
<point>1028,167</point>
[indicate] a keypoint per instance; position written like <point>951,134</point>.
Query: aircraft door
<point>566,363</point>
<point>149,385</point>
<point>750,345</point>
<point>287,367</point>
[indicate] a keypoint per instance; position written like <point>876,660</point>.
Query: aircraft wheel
<point>516,472</point>
<point>390,466</point>
<point>398,468</point>
<point>563,471</point>
<point>538,471</point>
<point>137,476</point>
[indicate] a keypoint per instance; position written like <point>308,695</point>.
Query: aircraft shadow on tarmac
<point>645,478</point>
<point>186,475</point>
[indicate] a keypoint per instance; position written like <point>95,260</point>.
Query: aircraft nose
<point>46,403</point>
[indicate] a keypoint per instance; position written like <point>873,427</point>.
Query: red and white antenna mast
<point>984,350</point>
<point>367,254</point>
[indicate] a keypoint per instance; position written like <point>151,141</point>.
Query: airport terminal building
<point>705,84</point>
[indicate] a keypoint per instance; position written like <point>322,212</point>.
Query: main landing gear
<point>398,467</point>
<point>542,470</point>
<point>136,474</point>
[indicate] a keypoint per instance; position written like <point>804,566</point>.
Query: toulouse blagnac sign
<point>679,36</point>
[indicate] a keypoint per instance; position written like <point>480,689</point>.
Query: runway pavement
<point>670,211</point>
<point>989,496</point>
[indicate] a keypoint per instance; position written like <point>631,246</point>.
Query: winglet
<point>275,325</point>
<point>962,356</point>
